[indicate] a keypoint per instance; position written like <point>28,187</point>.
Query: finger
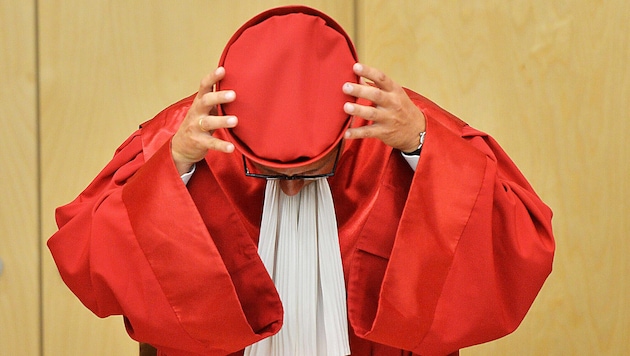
<point>379,78</point>
<point>373,94</point>
<point>212,123</point>
<point>215,144</point>
<point>208,82</point>
<point>206,98</point>
<point>207,104</point>
<point>211,99</point>
<point>367,112</point>
<point>362,132</point>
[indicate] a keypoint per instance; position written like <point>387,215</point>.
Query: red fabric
<point>435,261</point>
<point>292,90</point>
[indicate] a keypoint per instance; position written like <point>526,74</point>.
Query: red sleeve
<point>134,244</point>
<point>472,250</point>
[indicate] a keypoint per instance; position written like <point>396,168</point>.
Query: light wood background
<point>20,238</point>
<point>548,79</point>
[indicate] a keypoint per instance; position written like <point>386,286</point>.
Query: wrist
<point>415,150</point>
<point>182,165</point>
<point>183,168</point>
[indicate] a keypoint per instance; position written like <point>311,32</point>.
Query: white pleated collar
<point>299,246</point>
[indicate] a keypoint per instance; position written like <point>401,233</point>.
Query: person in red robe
<point>383,224</point>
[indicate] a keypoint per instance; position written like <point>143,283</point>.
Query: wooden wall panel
<point>550,80</point>
<point>19,228</point>
<point>107,66</point>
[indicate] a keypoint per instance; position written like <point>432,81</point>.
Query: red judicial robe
<point>447,257</point>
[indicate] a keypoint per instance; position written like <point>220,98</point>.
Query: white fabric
<point>412,160</point>
<point>299,246</point>
<point>186,176</point>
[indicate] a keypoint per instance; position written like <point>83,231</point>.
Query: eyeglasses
<point>293,177</point>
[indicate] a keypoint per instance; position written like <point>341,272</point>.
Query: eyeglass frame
<point>293,177</point>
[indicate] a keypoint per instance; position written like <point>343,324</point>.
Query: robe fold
<point>435,260</point>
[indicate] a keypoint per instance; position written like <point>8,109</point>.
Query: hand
<point>396,120</point>
<point>194,138</point>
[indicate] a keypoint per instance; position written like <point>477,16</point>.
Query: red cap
<point>287,66</point>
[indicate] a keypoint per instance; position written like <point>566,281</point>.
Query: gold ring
<point>201,124</point>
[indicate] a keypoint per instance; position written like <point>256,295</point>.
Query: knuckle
<point>208,99</point>
<point>206,82</point>
<point>378,96</point>
<point>372,115</point>
<point>216,145</point>
<point>203,99</point>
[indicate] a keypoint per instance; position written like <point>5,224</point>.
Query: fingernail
<point>347,134</point>
<point>358,67</point>
<point>347,88</point>
<point>229,148</point>
<point>348,108</point>
<point>231,121</point>
<point>230,95</point>
<point>219,71</point>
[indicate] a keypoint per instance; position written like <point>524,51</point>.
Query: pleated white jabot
<point>299,246</point>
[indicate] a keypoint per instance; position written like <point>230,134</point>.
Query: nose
<point>292,187</point>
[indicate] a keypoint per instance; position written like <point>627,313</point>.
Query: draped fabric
<point>435,260</point>
<point>299,246</point>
